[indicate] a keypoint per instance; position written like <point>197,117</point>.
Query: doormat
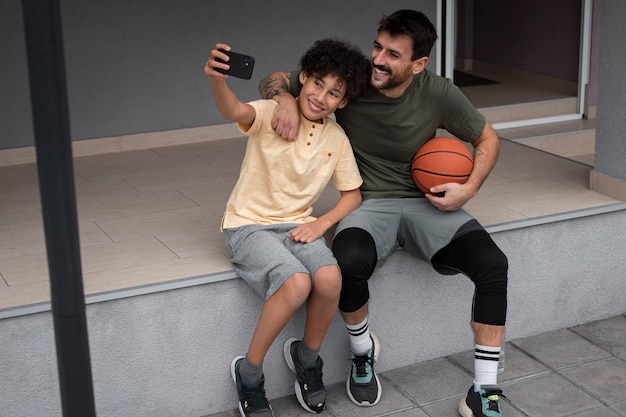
<point>463,79</point>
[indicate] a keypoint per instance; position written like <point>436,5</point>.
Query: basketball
<point>439,161</point>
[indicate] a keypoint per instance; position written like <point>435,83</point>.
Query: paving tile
<point>619,407</point>
<point>609,334</point>
<point>449,407</point>
<point>517,364</point>
<point>560,348</point>
<point>549,395</point>
<point>604,379</point>
<point>413,412</point>
<point>230,413</point>
<point>289,407</point>
<point>431,380</point>
<point>392,400</point>
<point>599,412</point>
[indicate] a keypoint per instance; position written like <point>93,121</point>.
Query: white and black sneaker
<point>252,400</point>
<point>309,387</point>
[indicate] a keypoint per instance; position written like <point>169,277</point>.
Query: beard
<point>389,80</point>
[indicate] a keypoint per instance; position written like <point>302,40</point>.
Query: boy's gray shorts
<point>264,257</point>
<point>411,223</point>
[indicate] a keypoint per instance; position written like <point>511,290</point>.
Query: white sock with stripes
<point>360,341</point>
<point>486,366</point>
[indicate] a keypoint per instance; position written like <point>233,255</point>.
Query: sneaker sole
<point>292,366</point>
<point>464,410</point>
<point>376,349</point>
<point>232,374</point>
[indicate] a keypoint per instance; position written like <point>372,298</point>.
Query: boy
<point>275,244</point>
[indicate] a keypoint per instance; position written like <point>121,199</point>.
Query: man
<point>402,109</point>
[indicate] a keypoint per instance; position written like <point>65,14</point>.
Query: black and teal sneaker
<point>363,387</point>
<point>484,403</point>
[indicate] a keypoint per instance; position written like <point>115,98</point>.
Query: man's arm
<point>486,150</point>
<point>286,119</point>
<point>275,84</point>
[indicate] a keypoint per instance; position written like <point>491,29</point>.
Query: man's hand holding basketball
<point>453,198</point>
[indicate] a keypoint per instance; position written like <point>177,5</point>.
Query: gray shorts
<point>264,257</point>
<point>411,223</point>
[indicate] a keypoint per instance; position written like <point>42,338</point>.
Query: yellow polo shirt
<point>279,181</point>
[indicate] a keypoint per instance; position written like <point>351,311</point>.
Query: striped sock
<point>486,366</point>
<point>360,341</point>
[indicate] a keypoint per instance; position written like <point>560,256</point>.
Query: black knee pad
<point>477,256</point>
<point>355,251</point>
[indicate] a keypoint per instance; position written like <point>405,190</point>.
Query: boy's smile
<point>321,96</point>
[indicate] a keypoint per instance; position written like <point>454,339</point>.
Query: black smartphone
<point>240,65</point>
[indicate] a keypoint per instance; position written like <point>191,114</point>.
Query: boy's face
<point>321,96</point>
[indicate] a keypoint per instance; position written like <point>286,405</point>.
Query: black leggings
<point>473,254</point>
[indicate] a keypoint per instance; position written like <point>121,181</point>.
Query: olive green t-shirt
<point>385,133</point>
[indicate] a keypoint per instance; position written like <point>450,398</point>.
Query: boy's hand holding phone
<point>227,62</point>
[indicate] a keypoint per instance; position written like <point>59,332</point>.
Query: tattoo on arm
<point>274,85</point>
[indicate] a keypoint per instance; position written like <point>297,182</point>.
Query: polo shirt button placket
<point>310,136</point>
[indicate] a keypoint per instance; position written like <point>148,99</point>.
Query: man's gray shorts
<point>412,223</point>
<point>264,257</point>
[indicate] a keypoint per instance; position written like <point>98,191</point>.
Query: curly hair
<point>340,58</point>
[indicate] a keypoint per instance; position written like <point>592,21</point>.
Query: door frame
<point>446,26</point>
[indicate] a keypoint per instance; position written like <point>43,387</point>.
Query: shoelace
<point>313,378</point>
<point>360,362</point>
<point>255,398</point>
<point>493,396</point>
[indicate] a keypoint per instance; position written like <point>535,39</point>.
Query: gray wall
<point>611,124</point>
<point>138,66</point>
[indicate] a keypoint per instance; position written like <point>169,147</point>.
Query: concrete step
<point>530,110</point>
<point>571,139</point>
<point>579,146</point>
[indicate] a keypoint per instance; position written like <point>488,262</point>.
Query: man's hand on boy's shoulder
<point>286,119</point>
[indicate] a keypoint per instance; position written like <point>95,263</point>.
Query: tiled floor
<point>580,371</point>
<point>152,216</point>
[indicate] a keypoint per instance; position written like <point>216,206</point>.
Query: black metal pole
<point>48,91</point>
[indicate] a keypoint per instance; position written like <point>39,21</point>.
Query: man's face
<point>392,66</point>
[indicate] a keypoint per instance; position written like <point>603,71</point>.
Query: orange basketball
<point>441,160</point>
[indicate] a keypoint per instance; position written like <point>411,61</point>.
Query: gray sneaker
<point>252,400</point>
<point>309,387</point>
<point>363,386</point>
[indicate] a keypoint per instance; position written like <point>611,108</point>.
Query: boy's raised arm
<point>229,106</point>
<point>286,120</point>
